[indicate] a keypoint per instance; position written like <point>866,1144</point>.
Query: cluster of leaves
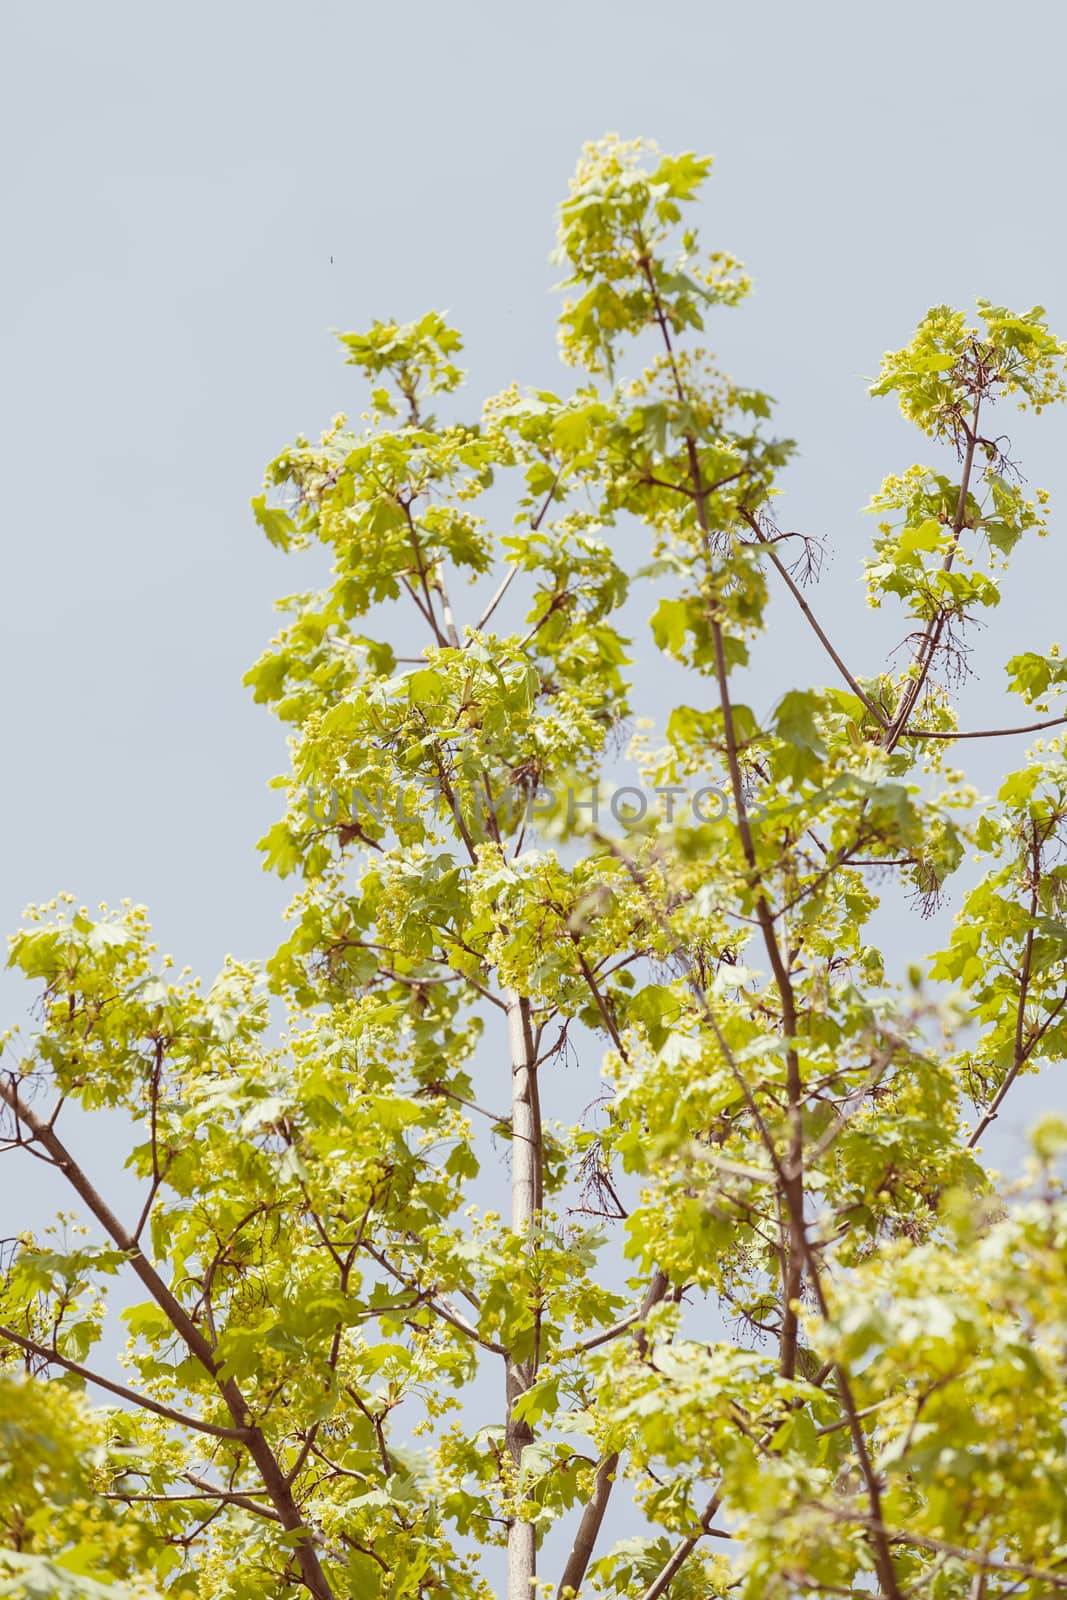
<point>764,1291</point>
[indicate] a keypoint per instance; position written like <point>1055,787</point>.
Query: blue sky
<point>196,195</point>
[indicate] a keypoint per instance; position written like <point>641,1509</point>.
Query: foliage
<point>764,1290</point>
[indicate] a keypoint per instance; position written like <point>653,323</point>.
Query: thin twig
<point>983,733</point>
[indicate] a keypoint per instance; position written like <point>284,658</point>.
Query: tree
<point>764,1292</point>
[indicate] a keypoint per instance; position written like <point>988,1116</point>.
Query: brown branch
<point>420,567</point>
<point>982,733</point>
<point>793,1176</point>
<point>216,1489</point>
<point>791,1173</point>
<point>658,1285</point>
<point>377,1422</point>
<point>680,1555</point>
<point>131,1396</point>
<point>794,589</point>
<point>589,1527</point>
<point>599,999</point>
<point>439,1307</point>
<point>924,656</point>
<point>979,1558</point>
<point>883,1559</point>
<point>558,600</point>
<point>196,1343</point>
<point>1021,1053</point>
<point>218,1496</point>
<point>593,1516</point>
<point>878,1070</point>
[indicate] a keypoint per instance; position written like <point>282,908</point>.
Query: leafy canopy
<point>763,1292</point>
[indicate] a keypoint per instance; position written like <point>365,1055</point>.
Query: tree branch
<point>982,733</point>
<point>978,1558</point>
<point>924,656</point>
<point>439,1307</point>
<point>196,1343</point>
<point>794,590</point>
<point>1021,1053</point>
<point>131,1396</point>
<point>593,1516</point>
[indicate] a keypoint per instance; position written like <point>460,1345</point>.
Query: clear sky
<point>197,193</point>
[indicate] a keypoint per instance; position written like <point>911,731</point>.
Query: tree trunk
<point>526,1197</point>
